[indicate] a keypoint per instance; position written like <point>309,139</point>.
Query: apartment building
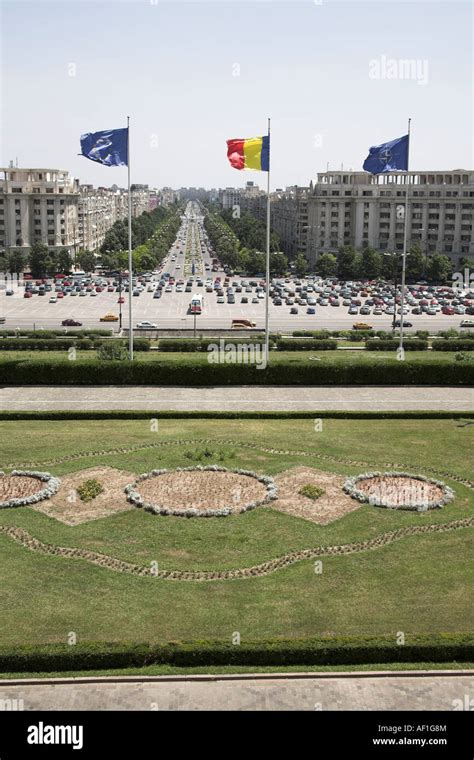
<point>37,205</point>
<point>289,218</point>
<point>363,210</point>
<point>48,206</point>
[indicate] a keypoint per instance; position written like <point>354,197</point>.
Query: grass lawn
<point>276,357</point>
<point>420,584</point>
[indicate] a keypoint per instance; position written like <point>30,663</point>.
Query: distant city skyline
<point>335,78</point>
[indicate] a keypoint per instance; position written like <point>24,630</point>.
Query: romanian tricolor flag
<point>253,153</point>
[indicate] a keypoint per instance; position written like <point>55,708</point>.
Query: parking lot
<point>171,311</point>
<point>192,258</point>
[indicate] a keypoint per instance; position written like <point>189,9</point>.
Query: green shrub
<point>18,371</point>
<point>90,489</point>
<point>409,344</point>
<point>467,344</point>
<point>325,651</point>
<point>311,491</point>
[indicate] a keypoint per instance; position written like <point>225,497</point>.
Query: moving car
<point>71,323</point>
<point>146,325</point>
<point>109,317</point>
<point>242,323</point>
<point>361,326</point>
<point>405,324</point>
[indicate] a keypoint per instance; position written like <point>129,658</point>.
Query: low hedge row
<point>18,371</point>
<point>99,656</point>
<point>453,344</point>
<point>410,344</point>
<point>170,344</point>
<point>74,414</point>
<point>48,334</point>
<point>302,344</point>
<point>65,343</point>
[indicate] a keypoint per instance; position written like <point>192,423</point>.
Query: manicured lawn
<point>276,357</point>
<point>420,584</point>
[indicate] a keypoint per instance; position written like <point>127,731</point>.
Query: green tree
<point>301,265</point>
<point>327,265</point>
<point>439,267</point>
<point>371,264</point>
<point>346,263</point>
<point>256,263</point>
<point>63,261</point>
<point>415,266</point>
<point>39,260</point>
<point>15,262</point>
<point>86,260</point>
<point>278,263</point>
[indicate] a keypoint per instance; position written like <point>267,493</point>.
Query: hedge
<point>444,344</point>
<point>302,344</point>
<point>183,344</point>
<point>65,343</point>
<point>410,344</point>
<point>47,334</point>
<point>82,371</point>
<point>97,414</point>
<point>325,651</point>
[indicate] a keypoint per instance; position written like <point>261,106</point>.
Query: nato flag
<point>109,147</point>
<point>388,157</point>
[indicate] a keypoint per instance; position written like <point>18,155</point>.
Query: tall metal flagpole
<point>267,260</point>
<point>130,272</point>
<point>404,254</point>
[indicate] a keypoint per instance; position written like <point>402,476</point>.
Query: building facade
<point>363,210</point>
<point>48,206</point>
<point>37,206</point>
<point>289,218</point>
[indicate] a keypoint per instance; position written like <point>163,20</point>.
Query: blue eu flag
<point>109,147</point>
<point>388,157</point>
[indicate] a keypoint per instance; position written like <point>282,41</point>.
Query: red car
<point>447,310</point>
<point>121,300</point>
<point>60,294</point>
<point>27,294</point>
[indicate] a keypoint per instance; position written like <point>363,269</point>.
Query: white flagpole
<point>130,266</point>
<point>267,259</point>
<point>404,254</point>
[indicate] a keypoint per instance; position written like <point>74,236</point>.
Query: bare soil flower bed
<point>399,490</point>
<point>18,487</point>
<point>23,488</point>
<point>200,491</point>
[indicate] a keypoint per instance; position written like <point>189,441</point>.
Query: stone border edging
<point>244,676</point>
<point>24,538</point>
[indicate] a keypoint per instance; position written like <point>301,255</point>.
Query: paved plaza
<point>406,692</point>
<point>255,398</point>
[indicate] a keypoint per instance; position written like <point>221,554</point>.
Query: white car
<point>53,299</point>
<point>145,325</point>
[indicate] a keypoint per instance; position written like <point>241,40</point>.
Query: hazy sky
<point>192,74</point>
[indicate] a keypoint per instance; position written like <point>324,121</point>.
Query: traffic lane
<point>172,308</point>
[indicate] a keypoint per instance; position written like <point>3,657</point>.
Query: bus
<point>195,307</point>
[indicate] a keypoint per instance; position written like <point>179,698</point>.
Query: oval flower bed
<point>399,490</point>
<point>210,491</point>
<point>21,487</point>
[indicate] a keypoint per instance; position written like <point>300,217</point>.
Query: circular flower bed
<point>21,487</point>
<point>399,490</point>
<point>211,491</point>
